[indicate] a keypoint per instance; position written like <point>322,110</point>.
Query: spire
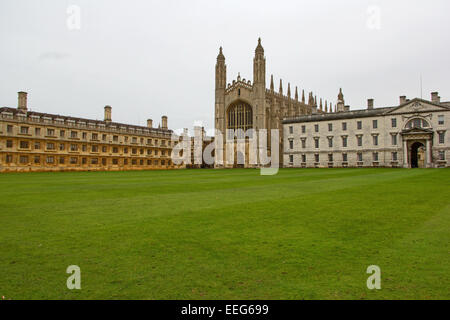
<point>315,101</point>
<point>239,76</point>
<point>320,103</point>
<point>281,86</point>
<point>303,95</point>
<point>220,56</point>
<point>296,94</point>
<point>289,90</point>
<point>335,107</point>
<point>271,83</point>
<point>259,67</point>
<point>259,49</point>
<point>326,109</point>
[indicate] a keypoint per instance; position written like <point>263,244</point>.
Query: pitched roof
<point>16,111</point>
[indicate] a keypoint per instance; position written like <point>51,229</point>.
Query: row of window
<point>359,141</point>
<point>84,135</point>
<point>84,148</point>
<point>359,155</point>
<point>415,123</point>
<point>24,159</point>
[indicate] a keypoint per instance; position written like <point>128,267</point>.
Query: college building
<point>243,104</point>
<point>413,134</point>
<point>34,141</point>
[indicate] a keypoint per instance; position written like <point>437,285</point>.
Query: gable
<point>418,106</point>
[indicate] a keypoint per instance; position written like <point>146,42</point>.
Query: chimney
<point>149,123</point>
<point>369,104</point>
<point>402,100</point>
<point>164,122</point>
<point>435,97</point>
<point>22,102</point>
<point>108,114</point>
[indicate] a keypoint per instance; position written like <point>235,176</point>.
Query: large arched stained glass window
<point>240,116</point>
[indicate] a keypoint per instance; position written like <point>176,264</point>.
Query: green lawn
<point>226,234</point>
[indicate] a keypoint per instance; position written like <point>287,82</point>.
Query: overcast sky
<point>152,58</point>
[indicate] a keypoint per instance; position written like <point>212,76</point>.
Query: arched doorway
<point>417,155</point>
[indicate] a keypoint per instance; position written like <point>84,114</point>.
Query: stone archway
<point>417,155</point>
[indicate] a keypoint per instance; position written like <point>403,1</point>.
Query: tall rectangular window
<point>344,157</point>
<point>330,142</point>
<point>394,156</point>
<point>375,124</point>
<point>441,120</point>
<point>375,140</point>
<point>316,128</point>
<point>360,156</point>
<point>316,142</point>
<point>359,141</point>
<point>24,130</point>
<point>359,125</point>
<point>303,158</point>
<point>394,139</point>
<point>291,144</point>
<point>37,131</point>
<point>9,128</point>
<point>442,155</point>
<point>344,126</point>
<point>303,143</point>
<point>316,158</point>
<point>291,158</point>
<point>344,142</point>
<point>441,137</point>
<point>303,129</point>
<point>291,129</point>
<point>394,123</point>
<point>375,156</point>
<point>330,127</point>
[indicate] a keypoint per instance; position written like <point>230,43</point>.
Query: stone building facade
<point>414,133</point>
<point>34,141</point>
<point>244,104</point>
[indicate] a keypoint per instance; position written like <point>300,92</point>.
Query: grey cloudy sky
<point>153,58</point>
